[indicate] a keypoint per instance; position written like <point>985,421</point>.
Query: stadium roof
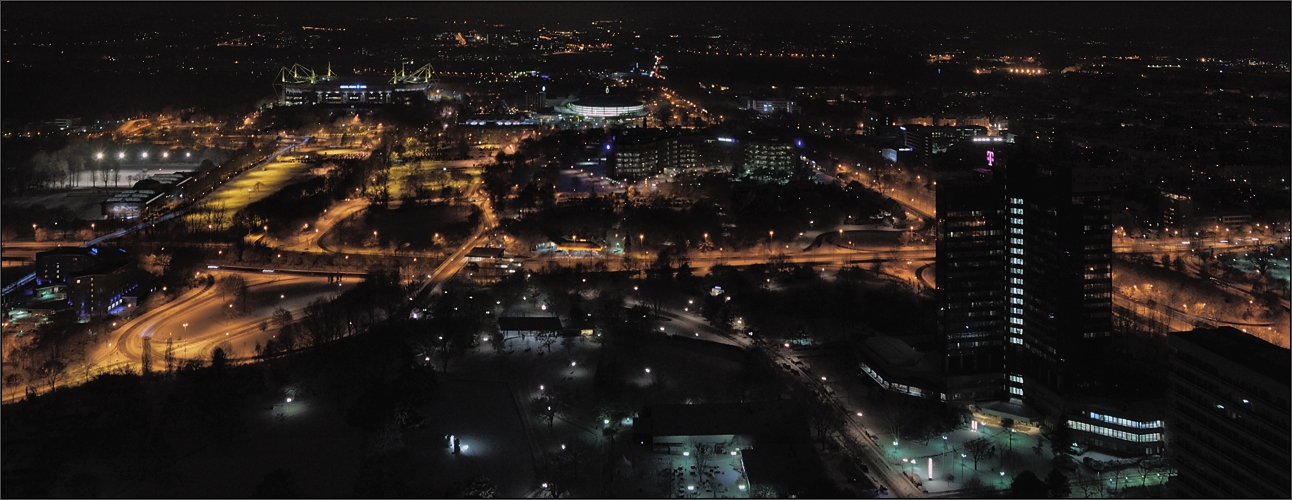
<point>607,101</point>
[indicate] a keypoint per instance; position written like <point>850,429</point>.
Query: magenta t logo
<point>991,158</point>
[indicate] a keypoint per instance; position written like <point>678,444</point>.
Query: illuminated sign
<point>991,158</point>
<point>726,139</point>
<point>354,86</point>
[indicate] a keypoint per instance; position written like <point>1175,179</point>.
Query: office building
<point>1229,418</point>
<point>971,287</point>
<point>1059,282</point>
<point>767,160</point>
<point>633,159</point>
<point>637,153</point>
<point>1044,237</point>
<point>770,106</point>
<point>919,143</point>
<point>1117,426</point>
<point>1177,210</point>
<point>97,279</point>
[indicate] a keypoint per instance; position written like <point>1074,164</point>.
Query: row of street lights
<point>122,155</point>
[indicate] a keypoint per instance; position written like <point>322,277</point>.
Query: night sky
<point>984,15</point>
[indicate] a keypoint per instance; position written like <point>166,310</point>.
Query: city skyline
<point>706,250</point>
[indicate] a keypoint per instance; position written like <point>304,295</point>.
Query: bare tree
<point>281,317</point>
<point>547,338</point>
<point>230,285</point>
<point>244,296</point>
<point>979,449</point>
<point>544,408</point>
<point>51,372</point>
<point>821,415</point>
<point>170,356</point>
<point>146,363</point>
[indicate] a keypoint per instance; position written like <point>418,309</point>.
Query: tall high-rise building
<point>1058,277</point>
<point>1227,426</point>
<point>1177,210</point>
<point>1042,236</point>
<point>971,287</point>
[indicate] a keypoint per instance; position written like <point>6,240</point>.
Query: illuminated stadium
<point>603,107</point>
<point>300,85</point>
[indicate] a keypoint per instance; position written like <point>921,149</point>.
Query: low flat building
<point>1122,428</point>
<point>530,325</point>
<point>480,254</point>
<point>671,428</point>
<point>769,106</point>
<point>897,367</point>
<point>97,279</point>
<point>487,265</point>
<point>130,204</point>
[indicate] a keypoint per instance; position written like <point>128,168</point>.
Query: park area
<point>411,227</point>
<point>346,420</point>
<point>249,187</point>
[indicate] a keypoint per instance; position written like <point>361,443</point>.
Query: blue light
<point>607,147</point>
<point>799,142</point>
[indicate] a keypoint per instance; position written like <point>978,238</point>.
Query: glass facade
<point>1152,437</point>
